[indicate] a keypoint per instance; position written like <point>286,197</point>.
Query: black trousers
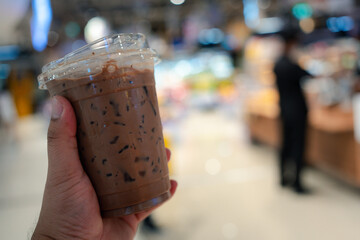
<point>293,147</point>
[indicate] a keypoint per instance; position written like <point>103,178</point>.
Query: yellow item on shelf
<point>167,142</point>
<point>21,87</point>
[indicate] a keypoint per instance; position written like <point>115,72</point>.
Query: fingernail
<point>56,109</point>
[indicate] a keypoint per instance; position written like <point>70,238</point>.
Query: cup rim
<point>123,44</point>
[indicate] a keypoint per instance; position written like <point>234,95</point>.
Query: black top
<point>288,77</point>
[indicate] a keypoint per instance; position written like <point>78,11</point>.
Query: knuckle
<point>52,135</point>
<point>55,134</point>
<point>54,139</point>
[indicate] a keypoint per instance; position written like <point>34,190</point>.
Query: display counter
<point>262,117</point>
<point>331,145</point>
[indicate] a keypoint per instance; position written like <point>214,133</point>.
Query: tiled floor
<point>227,188</point>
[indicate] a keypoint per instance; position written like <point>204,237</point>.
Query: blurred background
<point>219,107</point>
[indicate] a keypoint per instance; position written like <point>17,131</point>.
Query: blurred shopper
<point>294,110</point>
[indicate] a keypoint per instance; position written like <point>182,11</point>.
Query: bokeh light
<point>40,23</point>
<point>72,29</point>
<point>307,25</point>
<point>210,36</point>
<point>302,10</point>
<point>212,166</point>
<point>338,24</point>
<point>177,2</point>
<point>53,38</point>
<point>96,28</point>
<point>78,44</point>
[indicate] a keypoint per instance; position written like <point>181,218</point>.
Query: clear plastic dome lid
<point>125,49</point>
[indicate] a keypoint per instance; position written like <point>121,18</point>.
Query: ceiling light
<point>177,2</point>
<point>96,28</point>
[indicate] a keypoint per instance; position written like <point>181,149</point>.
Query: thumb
<point>63,153</point>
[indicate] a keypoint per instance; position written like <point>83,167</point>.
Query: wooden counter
<point>331,145</point>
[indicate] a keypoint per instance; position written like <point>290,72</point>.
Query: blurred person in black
<point>294,110</point>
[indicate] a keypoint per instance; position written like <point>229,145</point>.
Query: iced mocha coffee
<point>119,135</point>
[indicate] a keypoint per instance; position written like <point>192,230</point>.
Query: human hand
<point>70,208</point>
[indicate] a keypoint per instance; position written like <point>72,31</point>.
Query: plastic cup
<point>110,84</point>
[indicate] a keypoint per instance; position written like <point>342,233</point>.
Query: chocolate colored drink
<point>119,131</point>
